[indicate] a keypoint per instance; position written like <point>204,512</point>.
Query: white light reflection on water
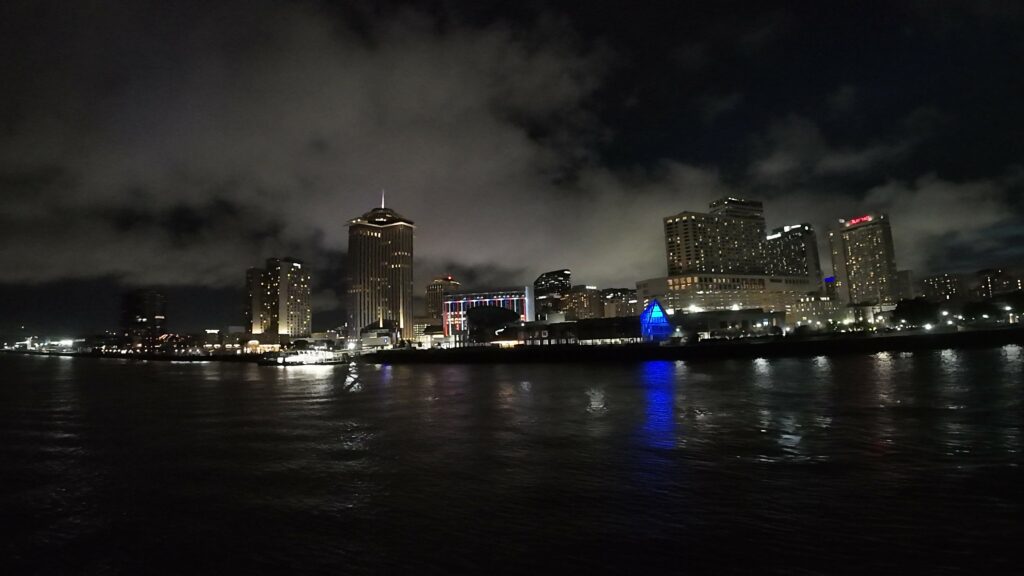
<point>596,400</point>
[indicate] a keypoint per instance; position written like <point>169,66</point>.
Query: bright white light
<point>734,307</point>
<point>945,313</point>
<point>985,316</point>
<point>1008,308</point>
<point>949,322</point>
<point>927,326</point>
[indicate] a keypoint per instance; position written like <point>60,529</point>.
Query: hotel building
<point>729,240</point>
<point>864,261</point>
<point>278,299</point>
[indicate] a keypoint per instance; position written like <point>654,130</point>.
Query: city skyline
<point>568,133</point>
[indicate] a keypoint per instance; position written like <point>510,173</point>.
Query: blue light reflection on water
<point>659,429</point>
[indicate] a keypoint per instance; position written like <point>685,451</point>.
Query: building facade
<point>995,282</point>
<point>456,305</point>
<point>944,288</point>
<point>793,251</point>
<point>143,316</point>
<point>700,292</point>
<point>864,261</point>
<point>620,302</point>
<point>435,294</point>
<point>279,300</point>
<point>550,290</point>
<point>584,303</point>
<point>380,274</point>
<point>716,243</point>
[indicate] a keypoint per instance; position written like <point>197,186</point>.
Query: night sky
<point>175,144</point>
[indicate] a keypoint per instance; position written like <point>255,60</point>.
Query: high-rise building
<point>143,316</point>
<point>793,251</point>
<point>584,303</point>
<point>549,290</point>
<point>435,294</point>
<point>279,298</point>
<point>738,208</point>
<point>944,288</point>
<point>380,271</point>
<point>728,240</point>
<point>864,261</point>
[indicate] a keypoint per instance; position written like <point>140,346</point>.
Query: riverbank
<point>156,357</point>
<point>768,348</point>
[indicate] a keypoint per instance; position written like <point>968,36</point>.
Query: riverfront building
<point>456,305</point>
<point>864,261</point>
<point>380,259</point>
<point>278,299</point>
<point>700,292</point>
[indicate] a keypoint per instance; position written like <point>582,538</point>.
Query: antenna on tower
<point>382,198</point>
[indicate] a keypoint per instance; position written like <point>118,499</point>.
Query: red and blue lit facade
<point>519,300</point>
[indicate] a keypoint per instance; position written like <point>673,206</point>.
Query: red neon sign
<point>855,221</point>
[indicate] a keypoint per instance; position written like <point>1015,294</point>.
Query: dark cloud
<point>177,144</point>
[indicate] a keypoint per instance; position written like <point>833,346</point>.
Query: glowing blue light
<point>654,324</point>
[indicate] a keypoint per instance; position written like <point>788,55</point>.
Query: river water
<point>852,464</point>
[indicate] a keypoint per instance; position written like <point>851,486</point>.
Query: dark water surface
<point>888,463</point>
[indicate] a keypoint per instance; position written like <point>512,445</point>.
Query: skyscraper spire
<point>382,198</point>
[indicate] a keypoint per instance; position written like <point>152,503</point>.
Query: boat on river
<point>304,358</point>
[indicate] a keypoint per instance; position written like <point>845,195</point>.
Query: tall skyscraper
<point>380,270</point>
<point>435,294</point>
<point>143,316</point>
<point>728,240</point>
<point>549,291</point>
<point>793,251</point>
<point>864,261</point>
<point>279,298</point>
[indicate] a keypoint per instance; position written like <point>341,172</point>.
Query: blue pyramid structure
<point>654,323</point>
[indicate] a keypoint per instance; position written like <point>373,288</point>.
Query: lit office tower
<point>435,294</point>
<point>793,251</point>
<point>278,298</point>
<point>550,290</point>
<point>143,316</point>
<point>729,239</point>
<point>863,260</point>
<point>380,271</point>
